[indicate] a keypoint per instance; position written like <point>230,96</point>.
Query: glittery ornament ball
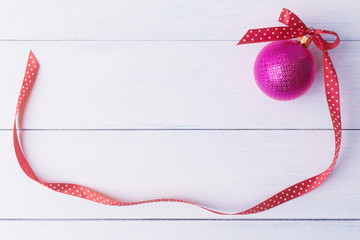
<point>284,70</point>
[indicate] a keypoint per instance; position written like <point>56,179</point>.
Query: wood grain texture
<point>220,169</point>
<point>165,85</point>
<point>180,230</point>
<point>166,20</point>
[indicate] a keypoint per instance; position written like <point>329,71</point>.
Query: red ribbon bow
<point>296,28</point>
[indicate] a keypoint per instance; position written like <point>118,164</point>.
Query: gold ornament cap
<point>304,40</point>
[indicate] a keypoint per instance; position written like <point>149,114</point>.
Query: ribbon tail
<point>32,67</point>
<point>333,99</point>
<point>332,92</point>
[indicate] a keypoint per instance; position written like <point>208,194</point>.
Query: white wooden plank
<point>180,230</point>
<point>226,170</point>
<point>164,85</point>
<point>166,20</point>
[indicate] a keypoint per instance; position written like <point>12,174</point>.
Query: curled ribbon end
<point>242,41</point>
<point>249,37</point>
<point>32,59</point>
<point>284,10</point>
<point>32,68</point>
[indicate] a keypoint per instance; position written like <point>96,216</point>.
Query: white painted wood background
<point>145,99</point>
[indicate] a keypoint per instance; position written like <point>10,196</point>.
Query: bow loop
<point>289,18</point>
<point>320,42</point>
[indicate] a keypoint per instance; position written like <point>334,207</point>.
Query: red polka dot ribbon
<point>295,28</point>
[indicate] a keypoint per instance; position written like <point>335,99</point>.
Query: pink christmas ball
<point>284,70</point>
